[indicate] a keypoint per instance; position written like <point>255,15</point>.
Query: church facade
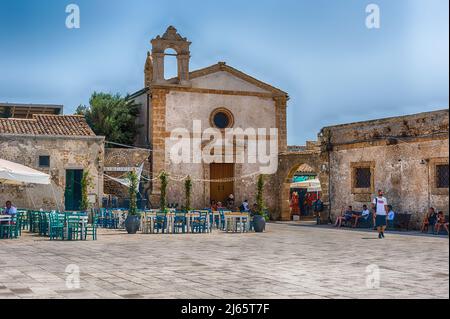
<point>201,103</point>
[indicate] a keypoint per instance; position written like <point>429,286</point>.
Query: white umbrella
<point>17,174</point>
<point>314,189</point>
<point>311,184</point>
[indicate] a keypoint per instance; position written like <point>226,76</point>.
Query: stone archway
<point>288,165</point>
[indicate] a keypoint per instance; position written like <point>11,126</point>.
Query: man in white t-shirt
<point>379,205</point>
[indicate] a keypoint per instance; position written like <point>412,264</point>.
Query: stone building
<point>62,146</point>
<point>118,163</point>
<point>217,96</point>
<point>405,156</point>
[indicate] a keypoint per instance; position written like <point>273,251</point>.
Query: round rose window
<point>222,118</point>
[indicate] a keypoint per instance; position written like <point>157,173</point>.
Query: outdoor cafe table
<point>191,215</point>
<point>5,217</point>
<point>82,220</point>
<point>150,216</point>
<point>233,217</point>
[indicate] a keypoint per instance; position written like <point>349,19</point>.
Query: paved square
<point>285,262</point>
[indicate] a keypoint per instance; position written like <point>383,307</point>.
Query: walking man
<point>379,205</point>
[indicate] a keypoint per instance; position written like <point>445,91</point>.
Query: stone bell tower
<point>154,66</point>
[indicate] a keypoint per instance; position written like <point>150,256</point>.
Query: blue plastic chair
<point>199,222</point>
<point>56,229</point>
<point>179,222</point>
<point>160,222</point>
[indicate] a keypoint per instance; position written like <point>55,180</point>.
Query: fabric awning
<point>125,181</point>
<point>313,185</point>
<point>17,174</point>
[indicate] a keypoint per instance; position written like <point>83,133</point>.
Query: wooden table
<point>193,214</point>
<point>148,221</point>
<point>234,216</point>
<point>83,221</point>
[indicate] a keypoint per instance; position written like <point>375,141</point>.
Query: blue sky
<point>320,51</point>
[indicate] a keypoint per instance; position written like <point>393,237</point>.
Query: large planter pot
<point>132,224</point>
<point>259,223</point>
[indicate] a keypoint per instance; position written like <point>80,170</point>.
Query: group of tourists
<point>382,213</point>
<point>230,205</point>
<point>434,220</point>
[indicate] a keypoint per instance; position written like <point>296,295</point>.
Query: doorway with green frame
<point>72,194</point>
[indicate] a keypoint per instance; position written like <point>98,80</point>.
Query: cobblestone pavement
<point>285,262</point>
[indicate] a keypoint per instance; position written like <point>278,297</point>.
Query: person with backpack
<point>318,206</point>
<point>244,207</point>
<point>380,207</point>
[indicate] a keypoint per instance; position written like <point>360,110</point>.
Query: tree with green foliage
<point>132,193</point>
<point>163,177</point>
<point>259,195</point>
<point>188,192</point>
<point>112,116</point>
<point>86,183</point>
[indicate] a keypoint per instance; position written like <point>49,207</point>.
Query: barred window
<point>442,176</point>
<point>44,161</point>
<point>363,177</point>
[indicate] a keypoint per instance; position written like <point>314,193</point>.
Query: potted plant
<point>163,177</point>
<point>188,193</point>
<point>259,221</point>
<point>133,220</point>
<point>86,183</point>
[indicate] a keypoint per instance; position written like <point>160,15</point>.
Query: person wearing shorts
<point>380,207</point>
<point>345,216</point>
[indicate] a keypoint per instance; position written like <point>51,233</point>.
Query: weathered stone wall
<point>184,107</point>
<point>223,80</point>
<point>143,120</point>
<point>157,138</point>
<point>118,159</point>
<point>427,124</point>
<point>85,153</point>
<point>398,170</point>
<point>402,152</point>
<point>289,163</point>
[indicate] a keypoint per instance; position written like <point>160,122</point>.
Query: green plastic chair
<point>91,229</point>
<point>43,221</point>
<point>11,229</point>
<point>73,227</point>
<point>56,229</point>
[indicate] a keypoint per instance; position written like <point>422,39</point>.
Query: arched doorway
<point>305,189</point>
<point>294,164</point>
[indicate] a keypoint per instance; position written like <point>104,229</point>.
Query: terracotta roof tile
<point>40,124</point>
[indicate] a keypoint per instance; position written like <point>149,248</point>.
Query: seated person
<point>440,222</point>
<point>9,209</point>
<point>429,219</point>
<point>244,206</point>
<point>220,206</point>
<point>213,205</point>
<point>230,202</point>
<point>345,216</point>
<point>364,215</point>
<point>390,213</point>
<point>254,210</point>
